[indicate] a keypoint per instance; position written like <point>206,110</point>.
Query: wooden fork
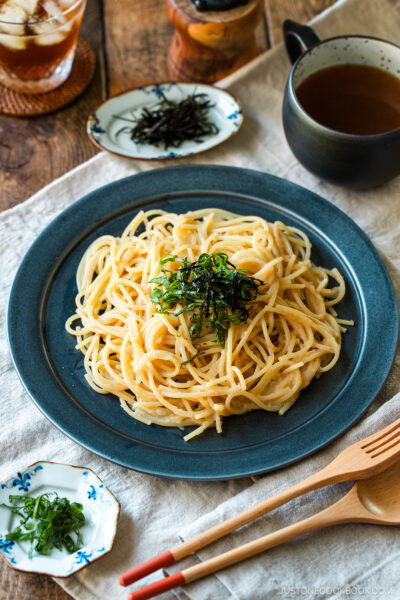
<point>359,461</point>
<point>373,500</point>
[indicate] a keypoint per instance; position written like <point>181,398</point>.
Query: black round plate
<point>52,370</point>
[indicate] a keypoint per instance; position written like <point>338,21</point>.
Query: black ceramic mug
<point>345,159</point>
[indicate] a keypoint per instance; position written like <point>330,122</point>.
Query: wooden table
<point>130,39</point>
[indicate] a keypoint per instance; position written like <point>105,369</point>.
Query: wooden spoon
<point>373,500</point>
<point>362,459</point>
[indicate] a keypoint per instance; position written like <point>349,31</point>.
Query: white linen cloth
<point>353,560</point>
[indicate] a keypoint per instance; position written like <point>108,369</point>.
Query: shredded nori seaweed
<point>170,123</point>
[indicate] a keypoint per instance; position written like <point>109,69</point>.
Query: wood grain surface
<point>298,10</point>
<point>131,40</point>
<point>34,151</point>
<point>137,35</point>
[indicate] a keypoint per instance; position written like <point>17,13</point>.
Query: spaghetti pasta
<point>148,358</point>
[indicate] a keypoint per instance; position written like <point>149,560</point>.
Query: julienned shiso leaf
<point>47,522</point>
<point>211,288</point>
<point>171,122</point>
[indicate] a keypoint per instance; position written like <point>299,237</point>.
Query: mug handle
<point>298,38</point>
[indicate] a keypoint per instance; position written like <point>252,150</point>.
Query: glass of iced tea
<point>37,42</point>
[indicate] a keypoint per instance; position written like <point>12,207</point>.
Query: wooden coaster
<point>31,105</point>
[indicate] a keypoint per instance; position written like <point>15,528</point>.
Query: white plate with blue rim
<point>78,484</point>
<point>108,128</point>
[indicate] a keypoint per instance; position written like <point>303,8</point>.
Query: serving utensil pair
<point>374,498</point>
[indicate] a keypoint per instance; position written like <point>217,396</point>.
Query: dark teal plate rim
<point>51,369</point>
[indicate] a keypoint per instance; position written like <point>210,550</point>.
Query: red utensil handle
<point>162,560</point>
<point>168,583</point>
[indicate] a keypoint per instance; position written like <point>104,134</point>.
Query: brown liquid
<point>352,98</point>
<point>32,60</point>
<point>36,62</point>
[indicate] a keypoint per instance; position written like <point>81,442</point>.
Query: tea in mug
<point>352,98</point>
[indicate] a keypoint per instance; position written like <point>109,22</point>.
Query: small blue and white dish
<point>78,484</point>
<point>106,129</point>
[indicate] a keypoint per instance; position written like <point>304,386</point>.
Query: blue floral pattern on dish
<point>6,547</point>
<point>81,557</point>
<point>159,90</point>
<point>92,494</point>
<point>84,557</point>
<point>21,480</point>
<point>95,492</point>
<point>95,128</point>
<point>234,116</point>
